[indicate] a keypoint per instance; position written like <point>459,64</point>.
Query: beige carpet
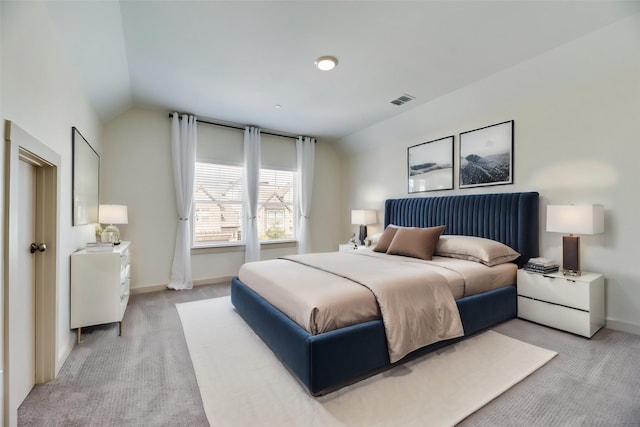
<point>242,383</point>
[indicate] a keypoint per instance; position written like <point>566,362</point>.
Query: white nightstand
<point>573,304</point>
<point>348,247</point>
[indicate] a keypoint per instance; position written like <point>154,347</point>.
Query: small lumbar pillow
<point>485,251</point>
<point>385,238</point>
<point>415,242</point>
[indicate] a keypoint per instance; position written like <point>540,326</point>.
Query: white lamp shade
<point>113,214</point>
<point>581,219</point>
<point>363,217</point>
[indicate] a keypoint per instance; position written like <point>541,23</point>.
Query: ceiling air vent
<point>403,99</point>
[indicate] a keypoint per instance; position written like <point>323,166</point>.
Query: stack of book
<point>99,247</point>
<point>541,265</point>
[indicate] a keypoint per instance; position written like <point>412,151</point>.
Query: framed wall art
<point>486,156</point>
<point>430,165</point>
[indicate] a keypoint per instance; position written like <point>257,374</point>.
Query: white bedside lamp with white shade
<point>113,214</point>
<point>574,219</point>
<point>363,218</point>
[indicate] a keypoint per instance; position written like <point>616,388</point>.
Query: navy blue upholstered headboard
<point>510,218</point>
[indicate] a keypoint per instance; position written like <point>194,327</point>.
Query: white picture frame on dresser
<point>100,287</point>
<point>574,304</point>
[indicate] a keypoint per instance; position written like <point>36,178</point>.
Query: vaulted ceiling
<point>236,61</point>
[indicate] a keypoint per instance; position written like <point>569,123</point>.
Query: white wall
<point>137,172</point>
<point>41,93</point>
<point>576,141</point>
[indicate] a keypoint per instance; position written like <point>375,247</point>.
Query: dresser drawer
<point>124,273</point>
<point>123,305</point>
<point>124,258</point>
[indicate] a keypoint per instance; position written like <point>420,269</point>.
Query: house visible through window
<point>218,205</point>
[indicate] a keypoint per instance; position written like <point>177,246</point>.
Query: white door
<point>22,323</point>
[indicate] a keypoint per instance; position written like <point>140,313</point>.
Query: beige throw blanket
<point>416,303</point>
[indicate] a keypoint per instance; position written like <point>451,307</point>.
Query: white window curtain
<point>305,154</point>
<point>251,178</point>
<point>183,149</point>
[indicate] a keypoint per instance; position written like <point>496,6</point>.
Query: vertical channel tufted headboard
<point>510,218</point>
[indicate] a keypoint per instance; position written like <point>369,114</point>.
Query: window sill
<point>239,247</point>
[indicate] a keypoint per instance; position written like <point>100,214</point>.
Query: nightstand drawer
<point>348,247</point>
<point>558,290</point>
<point>566,319</point>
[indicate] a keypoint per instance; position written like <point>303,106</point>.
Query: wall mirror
<point>85,180</point>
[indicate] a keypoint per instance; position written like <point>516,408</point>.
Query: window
<point>218,205</point>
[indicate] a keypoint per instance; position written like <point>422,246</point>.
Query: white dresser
<point>99,287</point>
<point>573,304</point>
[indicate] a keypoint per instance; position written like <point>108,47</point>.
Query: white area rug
<point>242,383</point>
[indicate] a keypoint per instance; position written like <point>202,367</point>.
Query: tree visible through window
<point>218,204</point>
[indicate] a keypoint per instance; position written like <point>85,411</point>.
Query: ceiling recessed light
<point>326,63</point>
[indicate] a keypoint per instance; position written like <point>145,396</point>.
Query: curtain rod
<point>237,126</point>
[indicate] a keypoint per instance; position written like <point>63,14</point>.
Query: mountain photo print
<point>486,156</point>
<point>430,165</point>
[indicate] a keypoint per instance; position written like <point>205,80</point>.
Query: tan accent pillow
<point>486,251</point>
<point>415,242</point>
<point>385,239</point>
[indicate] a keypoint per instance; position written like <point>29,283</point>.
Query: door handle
<point>38,248</point>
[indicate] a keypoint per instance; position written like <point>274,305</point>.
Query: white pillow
<point>374,238</point>
<point>486,251</point>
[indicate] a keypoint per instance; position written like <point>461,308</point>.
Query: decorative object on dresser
<point>582,219</point>
<point>572,304</point>
<point>363,218</point>
<point>430,165</point>
<point>99,247</point>
<point>99,287</point>
<point>112,214</point>
<point>486,156</point>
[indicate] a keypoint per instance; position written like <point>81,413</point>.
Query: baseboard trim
<point>199,282</point>
<point>617,325</point>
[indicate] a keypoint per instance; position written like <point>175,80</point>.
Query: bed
<point>326,361</point>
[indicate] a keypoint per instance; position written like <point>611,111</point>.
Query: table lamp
<point>113,214</point>
<point>581,219</point>
<point>363,218</point>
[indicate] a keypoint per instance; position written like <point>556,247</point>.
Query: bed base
<point>331,360</point>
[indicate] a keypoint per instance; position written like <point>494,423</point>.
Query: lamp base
<point>571,273</point>
<point>571,255</point>
<point>363,234</point>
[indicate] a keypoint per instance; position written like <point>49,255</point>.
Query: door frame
<point>21,146</point>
